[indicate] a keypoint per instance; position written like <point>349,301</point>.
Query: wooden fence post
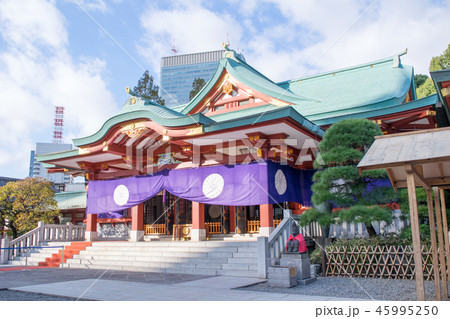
<point>420,287</point>
<point>441,242</point>
<point>434,251</point>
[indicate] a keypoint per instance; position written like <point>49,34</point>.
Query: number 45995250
<point>407,310</point>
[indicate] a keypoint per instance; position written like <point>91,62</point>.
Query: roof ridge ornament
<point>229,53</point>
<point>134,98</point>
<point>397,62</point>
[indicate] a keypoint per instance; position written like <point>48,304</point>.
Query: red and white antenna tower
<point>58,125</point>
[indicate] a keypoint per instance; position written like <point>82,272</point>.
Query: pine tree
<point>147,89</point>
<point>197,85</point>
<point>338,183</point>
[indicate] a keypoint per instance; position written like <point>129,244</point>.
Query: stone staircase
<point>50,254</point>
<point>211,258</point>
<point>37,255</point>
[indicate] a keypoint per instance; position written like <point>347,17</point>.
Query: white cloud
<point>285,38</point>
<point>40,77</point>
<point>389,27</point>
<point>30,23</point>
<point>194,27</point>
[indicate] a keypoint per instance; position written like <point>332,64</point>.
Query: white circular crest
<point>121,195</point>
<point>280,182</point>
<point>213,185</point>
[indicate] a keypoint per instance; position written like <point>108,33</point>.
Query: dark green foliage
<point>197,85</point>
<point>355,134</point>
<point>421,203</point>
<point>316,256</point>
<point>366,215</point>
<point>424,230</point>
<point>313,215</point>
<point>147,89</point>
<point>419,79</point>
<point>389,240</point>
<point>337,181</point>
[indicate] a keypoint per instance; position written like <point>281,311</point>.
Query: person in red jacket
<point>296,241</point>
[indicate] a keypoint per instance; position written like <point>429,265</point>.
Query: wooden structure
<point>389,262</point>
<point>419,159</point>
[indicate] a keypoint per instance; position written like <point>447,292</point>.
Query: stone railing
<point>270,249</point>
<point>41,234</point>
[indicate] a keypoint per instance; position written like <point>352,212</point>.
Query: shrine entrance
<point>248,219</point>
<point>163,211</point>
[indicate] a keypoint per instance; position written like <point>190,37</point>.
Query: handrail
<point>278,237</point>
<point>42,233</point>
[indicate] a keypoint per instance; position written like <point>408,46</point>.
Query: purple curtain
<point>236,185</point>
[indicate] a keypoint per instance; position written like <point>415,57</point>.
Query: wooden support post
<point>266,219</point>
<point>91,227</point>
<point>420,287</point>
<point>198,231</point>
<point>232,219</point>
<point>441,242</point>
<point>137,223</point>
<point>434,249</point>
<point>444,222</point>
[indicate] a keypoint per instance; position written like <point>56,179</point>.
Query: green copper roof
<point>265,113</point>
<point>249,76</point>
<point>438,77</point>
<point>145,109</point>
<point>71,200</point>
<point>353,90</point>
<point>59,155</point>
<point>379,109</point>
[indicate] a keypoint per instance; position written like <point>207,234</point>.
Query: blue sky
<point>53,53</point>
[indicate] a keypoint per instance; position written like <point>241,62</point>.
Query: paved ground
<point>122,285</point>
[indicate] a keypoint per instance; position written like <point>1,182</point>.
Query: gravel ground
<point>359,288</point>
<point>11,295</point>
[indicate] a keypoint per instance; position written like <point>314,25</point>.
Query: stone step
<point>31,259</point>
<point>152,264</point>
<point>165,249</point>
<point>175,244</point>
<point>247,249</point>
<point>237,273</point>
<point>242,260</point>
<point>236,266</point>
<point>22,262</point>
<point>212,258</point>
<point>193,271</point>
<point>222,260</point>
<point>250,254</point>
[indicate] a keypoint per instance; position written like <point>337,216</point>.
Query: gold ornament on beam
<point>227,88</point>
<point>134,129</point>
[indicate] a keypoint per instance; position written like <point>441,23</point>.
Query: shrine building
<point>237,155</point>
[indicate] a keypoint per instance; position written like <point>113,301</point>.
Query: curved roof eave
<point>183,120</point>
<point>381,110</point>
<point>287,111</point>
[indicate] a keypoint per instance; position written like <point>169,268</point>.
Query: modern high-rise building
<point>178,72</point>
<point>37,169</point>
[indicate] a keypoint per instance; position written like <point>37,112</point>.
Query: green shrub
<point>316,256</point>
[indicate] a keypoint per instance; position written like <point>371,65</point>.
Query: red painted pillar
<point>198,232</point>
<point>137,222</point>
<point>232,219</point>
<point>91,227</point>
<point>266,219</point>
